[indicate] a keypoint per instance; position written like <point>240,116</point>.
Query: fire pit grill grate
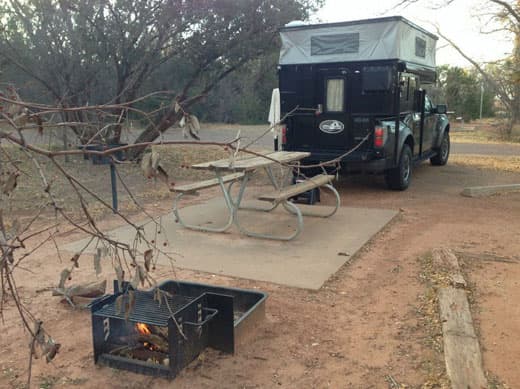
<point>146,309</point>
<point>195,316</point>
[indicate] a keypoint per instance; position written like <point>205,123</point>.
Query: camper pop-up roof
<point>389,38</point>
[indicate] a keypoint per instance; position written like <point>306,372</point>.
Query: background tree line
<point>74,53</point>
<point>462,89</point>
<point>217,57</point>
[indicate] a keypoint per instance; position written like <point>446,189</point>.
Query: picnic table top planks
<point>252,163</point>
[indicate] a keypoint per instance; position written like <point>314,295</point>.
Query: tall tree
<point>461,90</point>
<point>504,76</point>
<point>103,51</point>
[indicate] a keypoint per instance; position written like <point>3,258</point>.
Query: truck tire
<point>443,152</point>
<point>399,178</point>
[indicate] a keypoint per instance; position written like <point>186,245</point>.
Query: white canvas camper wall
<point>390,38</point>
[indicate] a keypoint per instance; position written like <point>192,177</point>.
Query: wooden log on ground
<point>480,191</point>
<point>446,257</point>
<point>461,347</point>
<point>488,257</point>
<point>91,289</point>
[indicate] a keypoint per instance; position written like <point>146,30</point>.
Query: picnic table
<point>228,171</point>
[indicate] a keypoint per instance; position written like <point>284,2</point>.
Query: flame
<point>143,329</point>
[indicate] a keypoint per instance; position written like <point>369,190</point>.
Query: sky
<point>461,22</point>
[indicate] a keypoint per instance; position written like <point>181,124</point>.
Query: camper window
<point>377,78</point>
<point>335,98</point>
<point>420,47</point>
<point>408,85</point>
<point>335,44</point>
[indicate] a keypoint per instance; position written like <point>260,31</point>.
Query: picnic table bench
<point>242,170</point>
<point>194,187</point>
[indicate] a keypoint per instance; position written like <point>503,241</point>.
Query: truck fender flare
<point>405,134</point>
<point>445,128</point>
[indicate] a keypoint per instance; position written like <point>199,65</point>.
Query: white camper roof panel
<point>362,40</point>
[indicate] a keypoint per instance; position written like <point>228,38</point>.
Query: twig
<point>37,329</point>
<point>172,315</point>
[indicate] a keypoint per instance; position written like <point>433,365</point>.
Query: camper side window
<point>408,85</point>
<point>335,88</point>
<point>412,87</point>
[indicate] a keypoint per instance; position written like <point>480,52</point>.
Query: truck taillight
<point>284,135</point>
<point>379,137</point>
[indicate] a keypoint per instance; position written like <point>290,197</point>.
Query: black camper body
<point>350,108</point>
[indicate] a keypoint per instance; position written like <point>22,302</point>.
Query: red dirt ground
<point>362,326</point>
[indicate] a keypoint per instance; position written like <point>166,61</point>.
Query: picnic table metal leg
<point>260,209</point>
<point>229,204</point>
<point>299,227</point>
<point>328,214</point>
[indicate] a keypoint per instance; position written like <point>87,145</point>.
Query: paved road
<point>250,133</point>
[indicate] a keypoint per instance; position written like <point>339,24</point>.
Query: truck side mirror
<point>442,109</point>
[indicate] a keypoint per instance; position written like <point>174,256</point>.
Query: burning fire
<point>143,329</point>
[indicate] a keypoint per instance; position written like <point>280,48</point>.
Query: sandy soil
<point>365,327</point>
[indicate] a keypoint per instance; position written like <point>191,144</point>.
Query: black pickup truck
<point>347,96</point>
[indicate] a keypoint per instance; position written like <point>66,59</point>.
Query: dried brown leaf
<point>146,165</point>
<point>136,279</point>
<point>157,296</point>
<point>97,263</point>
<point>39,334</point>
<point>103,251</point>
<point>16,228</point>
<point>176,107</point>
<point>148,255</point>
<point>192,129</point>
<point>120,274</point>
<point>52,350</point>
<point>75,259</point>
<point>11,183</point>
<point>154,157</point>
<point>129,306</point>
<point>131,299</point>
<point>195,123</point>
<point>119,304</point>
<point>142,274</point>
<point>65,274</point>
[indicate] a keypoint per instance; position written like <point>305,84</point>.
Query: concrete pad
<point>480,191</point>
<point>305,262</point>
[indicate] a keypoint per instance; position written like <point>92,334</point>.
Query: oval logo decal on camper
<point>332,126</point>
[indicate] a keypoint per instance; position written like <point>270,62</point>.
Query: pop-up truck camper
<point>346,86</point>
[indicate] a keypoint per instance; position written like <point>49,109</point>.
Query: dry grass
<point>489,131</point>
<point>502,163</point>
<point>175,159</point>
<point>29,195</point>
<point>429,318</point>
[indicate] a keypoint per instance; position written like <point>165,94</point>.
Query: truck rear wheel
<point>443,152</point>
<point>399,177</point>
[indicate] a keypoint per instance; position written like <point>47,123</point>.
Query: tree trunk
<point>153,131</point>
<point>169,119</point>
<point>515,98</point>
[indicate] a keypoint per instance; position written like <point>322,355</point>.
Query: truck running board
<point>424,156</point>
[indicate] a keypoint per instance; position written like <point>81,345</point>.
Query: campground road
<point>250,133</point>
<point>225,133</point>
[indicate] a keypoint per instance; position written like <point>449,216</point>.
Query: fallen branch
<point>81,294</point>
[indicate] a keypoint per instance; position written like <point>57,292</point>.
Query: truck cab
<point>346,87</point>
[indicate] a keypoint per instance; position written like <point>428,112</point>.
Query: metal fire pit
<point>204,316</point>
